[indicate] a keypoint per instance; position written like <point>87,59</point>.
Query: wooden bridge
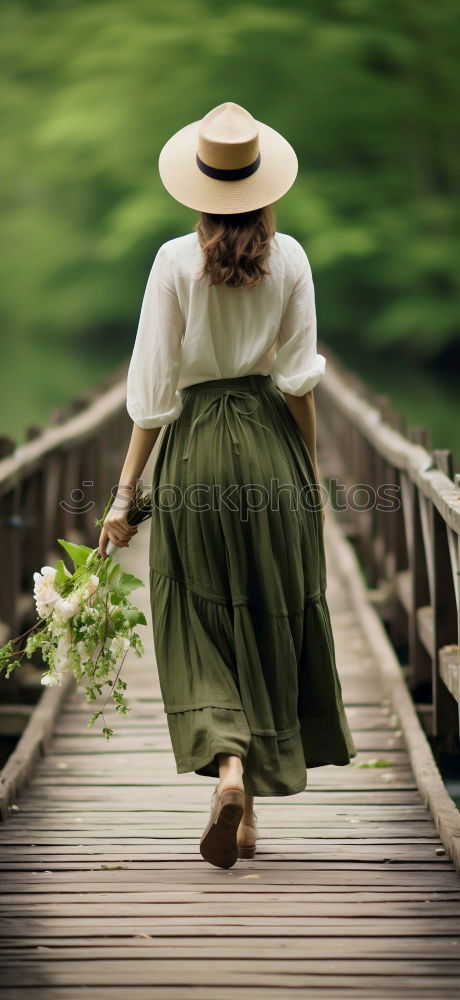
<point>354,890</point>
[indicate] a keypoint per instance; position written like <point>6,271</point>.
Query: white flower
<point>91,614</point>
<point>49,680</point>
<point>119,645</point>
<point>83,650</point>
<point>62,652</point>
<point>64,608</point>
<point>67,607</point>
<point>48,571</point>
<point>65,641</point>
<point>44,593</point>
<point>57,626</point>
<point>92,585</point>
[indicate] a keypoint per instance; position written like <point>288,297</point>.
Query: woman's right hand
<point>116,528</point>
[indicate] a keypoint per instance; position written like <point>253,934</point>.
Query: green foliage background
<point>367,91</point>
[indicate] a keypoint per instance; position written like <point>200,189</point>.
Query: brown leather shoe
<point>246,837</point>
<point>218,844</point>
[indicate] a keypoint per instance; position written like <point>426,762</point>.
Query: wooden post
<point>445,619</point>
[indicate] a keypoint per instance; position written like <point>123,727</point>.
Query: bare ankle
<point>230,769</point>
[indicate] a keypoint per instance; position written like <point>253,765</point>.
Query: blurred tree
<point>366,91</point>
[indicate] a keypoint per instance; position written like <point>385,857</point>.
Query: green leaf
<point>7,661</point>
<point>78,553</point>
<point>61,577</point>
<point>134,616</point>
<point>102,571</point>
<point>114,573</point>
<point>128,582</point>
<point>372,762</point>
<point>93,719</point>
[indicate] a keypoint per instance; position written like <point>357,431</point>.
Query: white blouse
<point>190,331</point>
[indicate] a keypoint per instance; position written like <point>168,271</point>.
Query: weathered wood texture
<point>54,486</point>
<point>400,503</point>
<point>105,894</point>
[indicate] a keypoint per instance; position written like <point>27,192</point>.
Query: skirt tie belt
<point>227,405</point>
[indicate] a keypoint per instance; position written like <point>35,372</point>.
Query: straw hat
<point>227,162</point>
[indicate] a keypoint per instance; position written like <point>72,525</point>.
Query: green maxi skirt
<point>241,626</point>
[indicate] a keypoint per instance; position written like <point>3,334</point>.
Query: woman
<point>225,361</point>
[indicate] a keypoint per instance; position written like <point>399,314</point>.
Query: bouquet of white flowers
<point>86,624</point>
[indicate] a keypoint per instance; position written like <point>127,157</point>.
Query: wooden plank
<point>86,906</point>
<point>270,835</point>
<point>237,972</point>
<point>233,895</point>
<point>259,877</point>
<point>121,927</point>
<point>185,828</point>
<point>370,989</point>
<point>144,946</point>
<point>325,810</point>
<point>428,988</point>
<point>38,864</point>
<point>288,849</point>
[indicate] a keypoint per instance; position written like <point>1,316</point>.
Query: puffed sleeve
<point>152,397</point>
<point>298,367</point>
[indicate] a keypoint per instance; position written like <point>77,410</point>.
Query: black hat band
<point>220,174</point>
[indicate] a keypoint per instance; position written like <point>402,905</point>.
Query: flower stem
<point>114,681</point>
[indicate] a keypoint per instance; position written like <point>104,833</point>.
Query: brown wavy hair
<point>236,246</point>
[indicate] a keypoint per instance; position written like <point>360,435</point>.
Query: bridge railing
<point>54,485</point>
<point>400,505</point>
<point>405,525</point>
